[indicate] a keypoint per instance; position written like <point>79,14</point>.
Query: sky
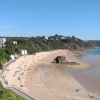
<point>80,18</point>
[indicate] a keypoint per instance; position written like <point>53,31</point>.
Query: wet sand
<point>90,77</point>
<point>50,82</point>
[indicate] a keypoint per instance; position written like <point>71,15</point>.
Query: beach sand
<point>46,81</point>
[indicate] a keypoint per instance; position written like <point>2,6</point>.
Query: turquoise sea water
<point>93,51</point>
<point>90,77</point>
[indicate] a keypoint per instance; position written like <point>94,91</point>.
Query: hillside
<point>37,44</point>
<point>95,42</point>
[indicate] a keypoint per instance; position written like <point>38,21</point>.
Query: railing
<point>23,92</point>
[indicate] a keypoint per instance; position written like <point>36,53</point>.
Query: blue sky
<point>48,17</point>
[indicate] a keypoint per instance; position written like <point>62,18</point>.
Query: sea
<point>89,77</point>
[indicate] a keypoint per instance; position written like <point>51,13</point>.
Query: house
<point>23,52</point>
<point>46,38</point>
<point>62,37</point>
<point>2,42</point>
<point>14,42</point>
<point>13,56</point>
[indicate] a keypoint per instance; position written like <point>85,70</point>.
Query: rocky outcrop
<point>60,59</point>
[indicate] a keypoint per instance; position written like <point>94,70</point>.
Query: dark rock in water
<point>62,60</point>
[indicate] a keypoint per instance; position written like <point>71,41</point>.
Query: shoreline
<point>18,72</point>
<point>89,78</point>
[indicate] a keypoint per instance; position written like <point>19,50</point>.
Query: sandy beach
<point>47,81</point>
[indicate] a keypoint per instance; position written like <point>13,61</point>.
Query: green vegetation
<point>6,94</point>
<point>4,56</point>
<point>37,44</point>
<point>95,42</point>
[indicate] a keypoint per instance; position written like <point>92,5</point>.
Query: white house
<point>14,42</point>
<point>12,57</point>
<point>23,52</point>
<point>46,38</point>
<point>2,42</point>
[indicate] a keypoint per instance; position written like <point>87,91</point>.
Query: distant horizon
<point>48,36</point>
<point>80,18</point>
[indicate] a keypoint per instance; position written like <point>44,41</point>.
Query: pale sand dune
<point>46,82</point>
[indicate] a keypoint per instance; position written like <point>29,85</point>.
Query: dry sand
<point>46,81</point>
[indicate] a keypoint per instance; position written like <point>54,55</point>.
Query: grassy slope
<point>6,94</point>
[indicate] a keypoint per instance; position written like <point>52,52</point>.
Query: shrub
<point>1,66</point>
